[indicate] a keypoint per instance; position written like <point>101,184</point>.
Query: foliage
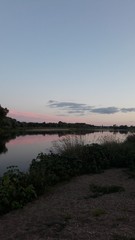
<point>47,170</point>
<point>74,158</point>
<point>15,191</point>
<point>93,159</point>
<point>3,112</point>
<point>130,138</point>
<point>91,156</point>
<point>120,154</point>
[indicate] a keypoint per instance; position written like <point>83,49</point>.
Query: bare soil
<point>68,212</point>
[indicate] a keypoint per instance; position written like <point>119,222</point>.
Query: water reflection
<point>3,148</point>
<point>3,140</point>
<point>21,149</point>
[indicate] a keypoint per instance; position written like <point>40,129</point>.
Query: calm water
<point>21,150</point>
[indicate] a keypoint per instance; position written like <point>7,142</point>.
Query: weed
<point>122,218</point>
<point>98,190</point>
<point>67,217</point>
<point>97,212</point>
<point>121,237</point>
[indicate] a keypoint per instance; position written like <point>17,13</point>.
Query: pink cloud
<point>30,116</point>
<point>36,117</point>
<point>94,119</point>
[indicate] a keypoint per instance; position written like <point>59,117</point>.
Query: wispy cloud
<point>71,107</point>
<point>68,105</point>
<point>125,110</point>
<point>107,110</point>
<point>82,109</point>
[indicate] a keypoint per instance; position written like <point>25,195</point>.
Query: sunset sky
<point>68,60</point>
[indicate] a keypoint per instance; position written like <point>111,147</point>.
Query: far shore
<point>97,129</point>
<point>52,130</point>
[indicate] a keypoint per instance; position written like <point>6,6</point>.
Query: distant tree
<point>3,112</point>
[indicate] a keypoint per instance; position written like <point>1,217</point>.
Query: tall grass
<point>69,146</point>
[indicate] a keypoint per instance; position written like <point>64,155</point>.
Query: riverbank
<point>69,212</point>
<point>64,130</point>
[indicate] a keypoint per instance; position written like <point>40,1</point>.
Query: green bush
<point>93,159</point>
<point>120,155</point>
<point>15,191</point>
<point>49,169</point>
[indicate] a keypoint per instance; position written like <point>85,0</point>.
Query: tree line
<point>10,123</point>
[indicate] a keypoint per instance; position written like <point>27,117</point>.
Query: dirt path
<point>68,213</point>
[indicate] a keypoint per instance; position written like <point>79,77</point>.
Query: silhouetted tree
<point>3,112</point>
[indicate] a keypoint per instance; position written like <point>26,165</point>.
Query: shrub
<point>49,169</point>
<point>120,154</point>
<point>93,159</point>
<point>130,138</point>
<point>15,191</point>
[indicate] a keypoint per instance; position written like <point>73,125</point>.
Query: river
<point>20,150</point>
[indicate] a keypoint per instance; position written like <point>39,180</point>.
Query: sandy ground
<point>68,212</point>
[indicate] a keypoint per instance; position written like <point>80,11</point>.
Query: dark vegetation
<point>71,158</point>
<point>15,190</point>
<point>7,123</point>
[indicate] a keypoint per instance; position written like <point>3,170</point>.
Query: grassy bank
<point>70,158</point>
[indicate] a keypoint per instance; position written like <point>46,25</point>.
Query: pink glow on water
<point>33,139</point>
<point>23,149</point>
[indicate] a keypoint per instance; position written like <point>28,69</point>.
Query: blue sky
<point>69,61</point>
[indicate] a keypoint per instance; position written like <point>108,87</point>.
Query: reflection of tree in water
<point>3,148</point>
<point>4,139</point>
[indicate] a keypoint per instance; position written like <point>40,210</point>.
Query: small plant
<point>98,212</point>
<point>122,218</point>
<point>98,190</point>
<point>67,217</point>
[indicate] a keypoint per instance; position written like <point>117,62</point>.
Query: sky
<point>70,61</point>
